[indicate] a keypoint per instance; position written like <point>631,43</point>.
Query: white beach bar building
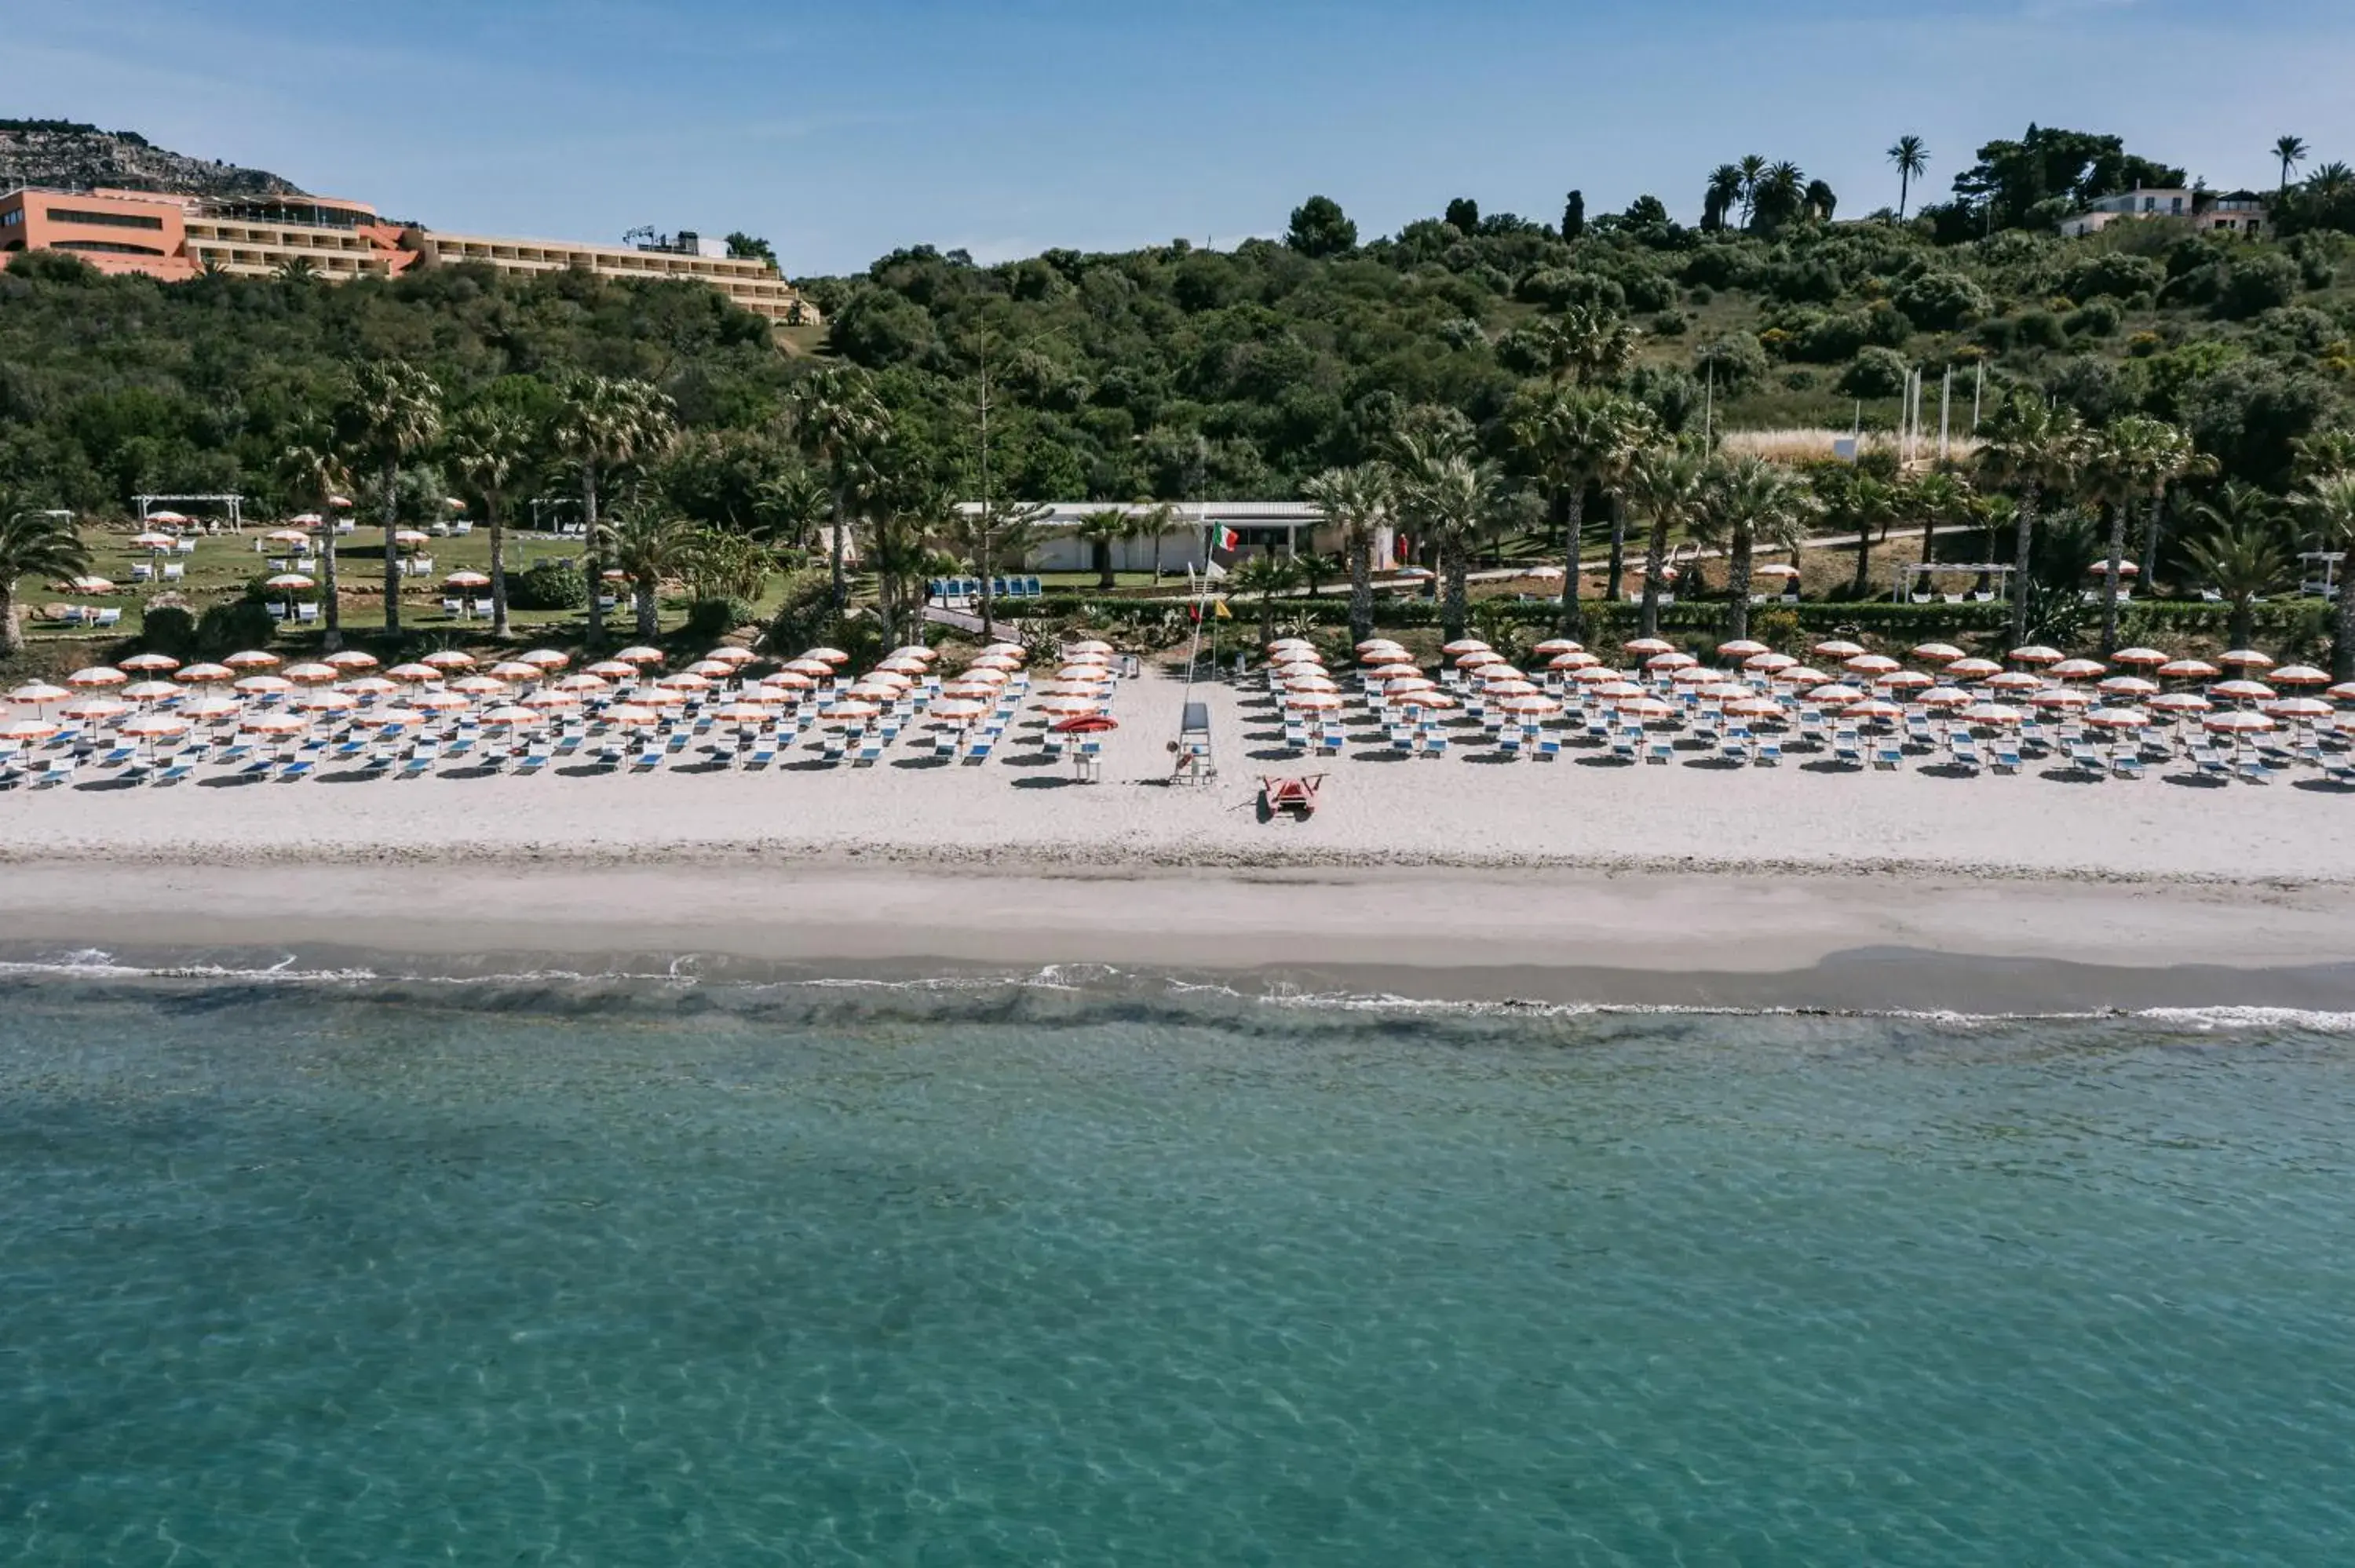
<point>1287,527</point>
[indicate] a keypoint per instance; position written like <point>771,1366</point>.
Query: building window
<point>13,216</point>
<point>107,247</point>
<point>104,219</point>
<point>2178,205</point>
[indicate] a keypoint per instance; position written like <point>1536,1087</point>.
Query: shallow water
<point>520,1273</point>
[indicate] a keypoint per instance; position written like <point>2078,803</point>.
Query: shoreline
<point>1923,942</point>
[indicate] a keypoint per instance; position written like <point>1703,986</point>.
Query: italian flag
<point>1228,540</point>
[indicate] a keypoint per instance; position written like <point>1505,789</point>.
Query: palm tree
<point>1355,500</point>
<point>1150,520</point>
<point>2327,505</point>
<point>1574,440</point>
<point>1935,500</point>
<point>1724,193</point>
<point>1584,345</point>
<point>1778,193</point>
<point>1747,502</point>
<point>1099,530</point>
<point>2291,152</point>
<point>837,419</point>
<point>491,449</point>
<point>2034,448</point>
<point>397,411</point>
<point>2135,458</point>
<point>1871,502</point>
<point>1445,496</point>
<point>604,426</point>
<point>1752,169</point>
<point>2174,459</point>
<point>1911,157</point>
<point>2242,560</point>
<point>314,470</point>
<point>789,507</point>
<point>648,547</point>
<point>1664,485</point>
<point>33,544</point>
<point>2331,181</point>
<point>1266,575</point>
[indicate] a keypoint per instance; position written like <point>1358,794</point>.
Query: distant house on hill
<point>1196,533</point>
<point>2238,213</point>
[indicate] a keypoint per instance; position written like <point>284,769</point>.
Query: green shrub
<point>1941,302</point>
<point>1874,373</point>
<point>2255,284</point>
<point>1671,323</point>
<point>806,617</point>
<point>2094,318</point>
<point>549,584</point>
<point>240,623</point>
<point>2037,329</point>
<point>711,618</point>
<point>169,629</point>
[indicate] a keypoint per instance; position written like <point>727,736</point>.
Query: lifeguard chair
<point>1197,763</point>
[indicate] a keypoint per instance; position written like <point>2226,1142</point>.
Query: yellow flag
<point>1218,608</point>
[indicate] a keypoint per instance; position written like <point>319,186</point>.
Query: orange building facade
<point>175,237</point>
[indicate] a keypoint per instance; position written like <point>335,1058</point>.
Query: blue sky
<point>1007,126</point>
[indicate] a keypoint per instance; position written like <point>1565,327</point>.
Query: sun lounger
<point>1548,748</point>
<point>2211,764</point>
<point>648,760</point>
<point>2085,760</point>
<point>1847,748</point>
<point>868,751</point>
<point>1435,744</point>
<point>1966,752</point>
<point>294,772</point>
<point>1769,754</point>
<point>2125,764</point>
<point>978,751</point>
<point>1296,738</point>
<point>1888,757</point>
<point>1661,752</point>
<point>1401,738</point>
<point>2256,770</point>
<point>1734,749</point>
<point>171,774</point>
<point>1510,743</point>
<point>945,748</point>
<point>833,750</point>
<point>58,772</point>
<point>1624,744</point>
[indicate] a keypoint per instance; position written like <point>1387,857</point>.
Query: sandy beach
<point>1448,876</point>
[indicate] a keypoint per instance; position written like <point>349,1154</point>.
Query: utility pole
<point>1945,397</point>
<point>1709,407</point>
<point>988,602</point>
<point>1979,385</point>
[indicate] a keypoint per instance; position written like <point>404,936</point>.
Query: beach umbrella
<point>164,514</point>
<point>2240,722</point>
<point>2285,675</point>
<point>152,727</point>
<point>641,656</point>
<point>515,669</point>
<point>1376,674</point>
<point>30,730</point>
<point>95,676</point>
<point>1726,691</point>
<point>414,673</point>
<point>2138,657</point>
<point>2128,686</point>
<point>289,536</point>
<point>1869,664</point>
<point>1429,702</point>
<point>149,664</point>
<point>368,686</point>
<point>152,541</point>
<point>38,692</point>
<point>1008,649</point>
<point>203,674</point>
<point>1373,643</point>
<point>1754,706</point>
<point>611,670</point>
<point>1873,710</point>
<point>1503,689</point>
<point>1404,684</point>
<point>1086,724</point>
<point>813,669</point>
<point>849,710</point>
<point>742,711</point>
<point>1380,652</point>
<point>2242,691</point>
<point>2299,708</point>
<point>1799,675</point>
<point>905,650</point>
<point>96,709</point>
<point>1973,669</point>
<point>466,580</point>
<point>1281,643</point>
<point>545,659</point>
<point>1069,705</point>
<point>1904,681</point>
<point>1837,648</point>
<point>1835,695</point>
<point>2013,681</point>
<point>830,656</point>
<point>961,710</point>
<point>511,716</point>
<point>214,706</point>
<point>311,674</point>
<point>1311,683</point>
<point>632,713</point>
<point>1937,652</point>
<point>1464,645</point>
<point>1553,646</point>
<point>658,697</point>
<point>1645,709</point>
<point>684,680</point>
<point>970,692</point>
<point>2180,703</point>
<point>2187,670</point>
<point>274,724</point>
<point>1991,713</point>
<point>348,659</point>
<point>1696,676</point>
<point>1669,663</point>
<point>1580,660</point>
<point>713,669</point>
<point>478,686</point>
<point>2342,693</point>
<point>1768,663</point>
<point>409,536</point>
<point>2060,698</point>
<point>392,718</point>
<point>548,699</point>
<point>1313,701</point>
<point>2035,653</point>
<point>342,500</point>
<point>1088,645</point>
<point>307,520</point>
<point>449,658</point>
<point>1944,698</point>
<point>1283,657</point>
<point>2078,669</point>
<point>1081,673</point>
<point>1742,647</point>
<point>1617,690</point>
<point>581,683</point>
<point>437,701</point>
<point>1595,674</point>
<point>324,702</point>
<point>1529,705</point>
<point>2245,659</point>
<point>1645,647</point>
<point>150,690</point>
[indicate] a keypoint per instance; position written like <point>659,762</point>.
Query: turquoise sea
<point>361,1271</point>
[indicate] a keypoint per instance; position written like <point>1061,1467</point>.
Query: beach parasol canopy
<point>515,669</point>
<point>1727,692</point>
<point>478,686</point>
<point>2060,698</point>
<point>545,659</point>
<point>95,676</point>
<point>1754,706</point>
<point>1087,724</point>
<point>436,701</point>
<point>1783,570</point>
<point>1058,704</point>
<point>2187,670</point>
<point>2242,691</point>
<point>1874,710</point>
<point>613,669</point>
<point>2299,708</point>
<point>1904,681</point>
<point>311,674</point>
<point>2285,675</point>
<point>2125,568</point>
<point>289,536</point>
<point>1464,645</point>
<point>1530,704</point>
<point>1769,663</point>
<point>2342,693</point>
<point>960,709</point>
<point>717,669</point>
<point>684,680</point>
<point>449,658</point>
<point>324,702</point>
<point>151,541</point>
<point>96,708</point>
<point>814,669</point>
<point>1945,698</point>
<point>2239,722</point>
<point>1837,648</point>
<point>252,659</point>
<point>641,655</point>
<point>409,536</point>
<point>203,674</point>
<point>150,690</point>
<point>274,724</point>
<point>1615,689</point>
<point>466,580</point>
<point>37,692</point>
<point>1645,647</point>
<point>2013,681</point>
<point>154,726</point>
<point>1579,660</point>
<point>633,714</point>
<point>1645,709</point>
<point>30,729</point>
<point>1868,663</point>
<point>551,698</point>
<point>1973,669</point>
<point>2128,686</point>
<point>1432,701</point>
<point>1742,648</point>
<point>1310,683</point>
<point>368,686</point>
<point>1937,652</point>
<point>2035,653</point>
<point>1992,712</point>
<point>583,683</point>
<point>2180,703</point>
<point>1313,701</point>
<point>1088,645</point>
<point>2078,669</point>
<point>349,659</point>
<point>2138,657</point>
<point>1696,676</point>
<point>414,673</point>
<point>830,657</point>
<point>290,582</point>
<point>1553,646</point>
<point>149,663</point>
<point>2245,659</point>
<point>1835,695</point>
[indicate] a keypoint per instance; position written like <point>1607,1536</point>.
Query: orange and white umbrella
<point>1399,685</point>
<point>1835,695</point>
<point>348,659</point>
<point>2180,703</point>
<point>849,710</point>
<point>290,582</point>
<point>30,730</point>
<point>1800,675</point>
<point>150,690</point>
<point>2285,676</point>
<point>478,686</point>
<point>1529,705</point>
<point>465,580</point>
<point>2240,722</point>
<point>582,683</point>
<point>712,669</point>
<point>1768,663</point>
<point>207,708</point>
<point>264,685</point>
<point>2128,686</point>
<point>1575,660</point>
<point>1375,674</point>
<point>2060,698</point>
<point>1429,702</point>
<point>274,724</point>
<point>2242,691</point>
<point>311,674</point>
<point>905,650</point>
<point>2140,658</point>
<point>1645,709</point>
<point>1313,701</point>
<point>1992,712</point>
<point>1281,643</point>
<point>962,690</point>
<point>2187,670</point>
<point>549,699</point>
<point>2301,708</point>
<point>635,714</point>
<point>1904,681</point>
<point>545,659</point>
<point>612,670</point>
<point>1069,705</point>
<point>1754,706</point>
<point>1310,683</point>
<point>1945,698</point>
<point>1373,643</point>
<point>1644,647</point>
<point>203,674</point>
<point>96,709</point>
<point>151,541</point>
<point>1873,710</point>
<point>149,663</point>
<point>2342,693</point>
<point>815,669</point>
<point>368,686</point>
<point>2035,653</point>
<point>2078,669</point>
<point>436,701</point>
<point>513,716</point>
<point>1695,676</point>
<point>1870,665</point>
<point>2245,659</point>
<point>1617,689</point>
<point>1503,689</point>
<point>449,658</point>
<point>152,727</point>
<point>1742,648</point>
<point>415,674</point>
<point>641,655</point>
<point>324,702</point>
<point>1837,648</point>
<point>2014,681</point>
<point>393,718</point>
<point>960,710</point>
<point>517,670</point>
<point>409,536</point>
<point>1973,669</point>
<point>1722,691</point>
<point>1937,652</point>
<point>1006,649</point>
<point>1671,661</point>
<point>95,676</point>
<point>1556,645</point>
<point>1088,645</point>
<point>831,657</point>
<point>743,711</point>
